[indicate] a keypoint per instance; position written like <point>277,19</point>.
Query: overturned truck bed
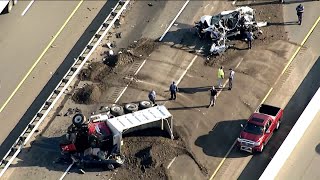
<point>157,116</point>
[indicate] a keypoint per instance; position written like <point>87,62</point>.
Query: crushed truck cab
<point>259,128</point>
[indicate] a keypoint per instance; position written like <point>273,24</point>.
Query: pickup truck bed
<point>269,110</point>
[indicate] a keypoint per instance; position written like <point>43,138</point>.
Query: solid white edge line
<point>185,4</point>
<point>66,172</point>
<point>27,8</point>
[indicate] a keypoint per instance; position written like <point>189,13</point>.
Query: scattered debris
<point>150,4</point>
<point>225,25</point>
<point>118,35</point>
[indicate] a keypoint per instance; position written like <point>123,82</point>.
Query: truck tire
<point>130,108</point>
<point>262,148</point>
<point>278,124</point>
<point>145,104</point>
<point>116,110</point>
<point>78,119</point>
<point>8,8</point>
<point>110,167</point>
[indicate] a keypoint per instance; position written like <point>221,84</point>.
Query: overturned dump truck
<point>227,24</point>
<point>97,142</point>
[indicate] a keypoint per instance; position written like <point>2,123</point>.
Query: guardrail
<point>62,86</point>
<point>292,139</point>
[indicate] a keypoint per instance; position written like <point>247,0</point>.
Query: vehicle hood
<point>249,136</point>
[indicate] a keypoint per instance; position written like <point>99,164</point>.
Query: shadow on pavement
<point>283,23</point>
<point>193,90</point>
<point>57,76</point>
<point>220,139</point>
<point>187,107</point>
<point>260,3</point>
<point>292,112</point>
<point>186,39</point>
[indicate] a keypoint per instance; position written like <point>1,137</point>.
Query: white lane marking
<point>140,67</point>
<point>185,4</point>
<point>27,8</point>
<point>121,93</point>
<point>65,172</point>
<point>185,71</point>
<point>171,162</point>
<point>225,83</point>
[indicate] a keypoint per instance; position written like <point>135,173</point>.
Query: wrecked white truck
<point>227,24</point>
<point>97,142</point>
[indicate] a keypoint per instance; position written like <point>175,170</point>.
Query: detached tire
<point>145,104</point>
<point>130,108</point>
<point>116,110</point>
<point>78,119</point>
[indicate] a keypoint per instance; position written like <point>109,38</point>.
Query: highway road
<point>208,132</point>
<point>292,92</point>
<point>304,161</point>
<point>36,48</point>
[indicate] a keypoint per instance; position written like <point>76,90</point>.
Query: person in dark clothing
<point>249,36</point>
<point>152,96</point>
<point>300,10</point>
<point>213,96</point>
<point>173,90</point>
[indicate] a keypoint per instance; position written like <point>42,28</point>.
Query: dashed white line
<point>27,8</point>
<point>184,6</point>
<point>185,71</point>
<point>66,172</point>
<point>171,162</point>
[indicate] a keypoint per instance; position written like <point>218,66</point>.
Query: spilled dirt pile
<point>148,152</point>
<point>88,94</point>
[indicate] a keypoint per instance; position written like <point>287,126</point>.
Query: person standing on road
<point>213,96</point>
<point>173,90</point>
<point>300,10</point>
<point>152,96</point>
<point>231,77</point>
<point>220,76</point>
<point>249,35</point>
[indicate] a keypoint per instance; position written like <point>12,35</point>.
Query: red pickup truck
<point>259,128</point>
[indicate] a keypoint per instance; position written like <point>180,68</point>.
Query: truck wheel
<point>261,149</point>
<point>145,104</point>
<point>110,167</point>
<point>78,119</point>
<point>8,8</point>
<point>130,107</point>
<point>278,125</point>
<point>116,110</point>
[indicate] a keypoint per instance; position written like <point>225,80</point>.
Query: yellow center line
<point>271,89</point>
<point>40,57</point>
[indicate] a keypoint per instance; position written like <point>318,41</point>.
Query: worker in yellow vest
<point>220,76</point>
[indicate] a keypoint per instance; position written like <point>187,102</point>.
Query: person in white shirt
<point>231,77</point>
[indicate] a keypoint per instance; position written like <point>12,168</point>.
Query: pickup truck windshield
<point>253,129</point>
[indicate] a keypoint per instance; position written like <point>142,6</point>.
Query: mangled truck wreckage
<point>227,24</point>
<point>97,142</point>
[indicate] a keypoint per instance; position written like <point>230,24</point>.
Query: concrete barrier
<point>292,139</point>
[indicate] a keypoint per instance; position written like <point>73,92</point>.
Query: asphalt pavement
<point>23,39</point>
<point>292,92</point>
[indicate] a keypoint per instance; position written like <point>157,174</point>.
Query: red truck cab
<point>259,128</point>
